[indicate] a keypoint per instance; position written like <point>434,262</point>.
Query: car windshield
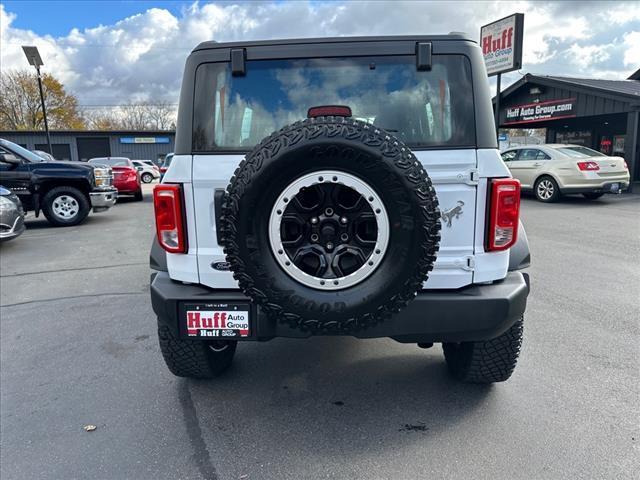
<point>112,161</point>
<point>167,161</point>
<point>44,155</point>
<point>23,152</point>
<point>423,108</point>
<point>580,152</point>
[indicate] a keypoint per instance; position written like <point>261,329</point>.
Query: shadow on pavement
<point>41,222</point>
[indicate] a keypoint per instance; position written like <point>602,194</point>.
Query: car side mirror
<point>9,158</point>
<point>139,169</point>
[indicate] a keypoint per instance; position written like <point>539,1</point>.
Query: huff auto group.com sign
<point>501,43</point>
<point>538,112</point>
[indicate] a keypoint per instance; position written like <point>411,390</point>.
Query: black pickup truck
<point>64,191</point>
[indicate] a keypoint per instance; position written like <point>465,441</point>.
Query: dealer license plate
<point>215,320</point>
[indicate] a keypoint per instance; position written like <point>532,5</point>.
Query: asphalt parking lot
<point>78,346</point>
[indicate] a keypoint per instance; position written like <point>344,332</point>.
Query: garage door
<point>89,148</point>
<point>61,151</point>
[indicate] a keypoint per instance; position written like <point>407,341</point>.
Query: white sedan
<point>553,170</point>
<point>148,171</point>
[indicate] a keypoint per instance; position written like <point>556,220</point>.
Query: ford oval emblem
<point>221,266</point>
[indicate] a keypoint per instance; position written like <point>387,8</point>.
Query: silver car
<point>553,170</point>
<point>11,215</point>
<point>47,156</point>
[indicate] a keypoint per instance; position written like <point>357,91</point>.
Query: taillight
<point>626,167</point>
<point>170,228</point>
<point>504,213</point>
<point>585,166</point>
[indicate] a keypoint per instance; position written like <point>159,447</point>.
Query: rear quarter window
<point>425,109</point>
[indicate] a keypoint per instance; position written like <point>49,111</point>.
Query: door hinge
<point>474,177</point>
<point>471,263</point>
<point>466,263</point>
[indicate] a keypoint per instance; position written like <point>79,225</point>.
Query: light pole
<point>33,56</point>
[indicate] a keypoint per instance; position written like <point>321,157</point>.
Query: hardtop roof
<point>453,36</point>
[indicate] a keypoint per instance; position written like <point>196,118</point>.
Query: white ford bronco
<point>339,186</point>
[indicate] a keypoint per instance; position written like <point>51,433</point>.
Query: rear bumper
<point>128,187</point>
<point>604,187</point>
<point>477,312</point>
<point>103,199</point>
<point>593,182</point>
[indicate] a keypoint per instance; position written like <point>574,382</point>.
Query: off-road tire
<point>138,196</point>
<point>488,361</point>
<point>81,198</point>
<point>146,178</point>
<point>192,358</point>
<point>592,196</point>
<point>556,190</point>
<point>350,146</point>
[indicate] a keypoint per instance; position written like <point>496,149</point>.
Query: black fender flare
<point>157,257</point>
<point>519,254</point>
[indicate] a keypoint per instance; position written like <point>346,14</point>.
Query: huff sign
<point>501,43</point>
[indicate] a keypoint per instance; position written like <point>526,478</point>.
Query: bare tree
<point>134,116</point>
<point>147,116</point>
<point>101,119</point>
<point>161,116</point>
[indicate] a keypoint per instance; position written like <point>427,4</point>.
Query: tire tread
<point>190,358</point>
<point>486,361</point>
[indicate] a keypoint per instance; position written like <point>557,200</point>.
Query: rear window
<point>112,162</point>
<point>423,108</point>
<point>580,152</point>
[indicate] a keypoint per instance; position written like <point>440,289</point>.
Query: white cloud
<point>622,13</point>
<point>589,54</point>
<point>142,57</point>
<point>632,52</point>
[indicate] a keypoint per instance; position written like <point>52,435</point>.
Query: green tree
<point>21,109</point>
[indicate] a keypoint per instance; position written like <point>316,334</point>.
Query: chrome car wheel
<point>329,230</point>
<point>545,189</point>
<point>65,207</point>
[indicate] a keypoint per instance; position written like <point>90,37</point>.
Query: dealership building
<point>82,145</point>
<point>600,114</point>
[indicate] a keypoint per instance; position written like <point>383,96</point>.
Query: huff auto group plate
<point>215,320</point>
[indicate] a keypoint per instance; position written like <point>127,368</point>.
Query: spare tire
<point>331,225</point>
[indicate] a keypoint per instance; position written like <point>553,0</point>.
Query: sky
<point>113,52</point>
